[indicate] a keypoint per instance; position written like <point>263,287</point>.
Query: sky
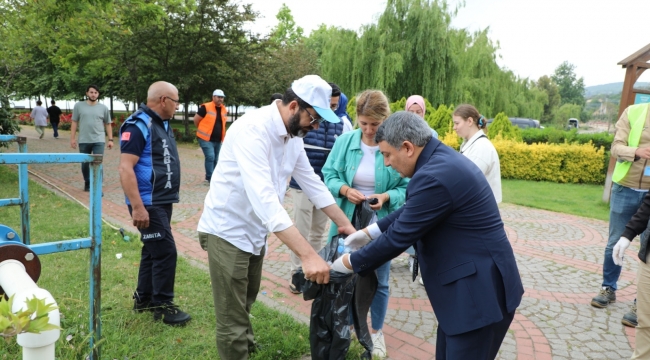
<point>535,36</point>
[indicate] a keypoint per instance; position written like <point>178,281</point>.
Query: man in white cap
<point>210,121</point>
<point>261,151</point>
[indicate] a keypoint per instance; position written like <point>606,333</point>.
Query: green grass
<point>576,199</point>
<point>127,335</point>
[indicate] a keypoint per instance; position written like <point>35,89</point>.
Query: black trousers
<point>158,258</point>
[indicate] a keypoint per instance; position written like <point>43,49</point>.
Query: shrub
<point>8,123</point>
<point>451,139</point>
<point>556,136</point>
<point>503,127</point>
<point>562,163</point>
<point>441,120</point>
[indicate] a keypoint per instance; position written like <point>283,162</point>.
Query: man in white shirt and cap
<point>260,152</point>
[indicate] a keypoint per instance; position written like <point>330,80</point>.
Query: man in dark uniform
<point>150,176</point>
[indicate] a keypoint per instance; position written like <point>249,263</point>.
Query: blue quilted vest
<point>324,137</point>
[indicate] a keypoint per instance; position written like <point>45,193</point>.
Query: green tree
<point>503,127</point>
<point>571,89</point>
<point>552,91</point>
<point>286,32</point>
<point>565,112</point>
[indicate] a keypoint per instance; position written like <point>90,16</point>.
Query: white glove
<point>339,267</point>
<point>619,250</point>
<point>357,240</point>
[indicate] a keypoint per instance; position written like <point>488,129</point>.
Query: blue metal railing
<point>93,242</point>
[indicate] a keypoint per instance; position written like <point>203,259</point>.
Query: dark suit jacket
<point>452,218</point>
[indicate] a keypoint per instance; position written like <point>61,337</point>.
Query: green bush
<point>8,123</point>
<point>556,136</point>
<point>441,119</point>
<point>501,126</point>
<point>562,163</point>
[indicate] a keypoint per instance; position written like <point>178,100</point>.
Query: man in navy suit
<point>450,216</point>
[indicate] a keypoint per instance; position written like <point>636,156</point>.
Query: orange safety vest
<point>206,125</point>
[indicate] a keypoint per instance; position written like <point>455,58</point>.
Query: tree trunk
<point>186,117</point>
<point>236,112</point>
<point>112,115</point>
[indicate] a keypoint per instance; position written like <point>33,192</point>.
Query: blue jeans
<point>90,148</point>
<point>379,303</point>
<point>55,127</point>
<point>211,151</point>
<point>623,204</point>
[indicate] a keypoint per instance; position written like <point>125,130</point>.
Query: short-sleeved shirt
<point>91,120</point>
<point>216,130</point>
<point>54,113</point>
<point>132,140</point>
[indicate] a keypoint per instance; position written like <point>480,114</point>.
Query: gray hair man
<point>469,268</point>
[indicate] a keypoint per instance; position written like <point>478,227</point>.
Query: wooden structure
<point>635,65</point>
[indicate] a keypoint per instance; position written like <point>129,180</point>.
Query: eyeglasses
<point>313,119</point>
<point>167,97</point>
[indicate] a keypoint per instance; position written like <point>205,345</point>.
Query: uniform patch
<point>126,136</point>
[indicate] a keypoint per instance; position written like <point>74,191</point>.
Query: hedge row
<point>562,163</point>
<point>557,136</point>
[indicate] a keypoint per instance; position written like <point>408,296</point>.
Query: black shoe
<point>171,315</point>
<point>629,319</point>
<point>606,296</point>
<point>142,306</point>
<point>87,186</point>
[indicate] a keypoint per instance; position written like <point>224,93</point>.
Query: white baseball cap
<point>218,92</point>
<point>317,93</point>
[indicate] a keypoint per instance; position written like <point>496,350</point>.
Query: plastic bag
<point>329,332</point>
<point>347,296</point>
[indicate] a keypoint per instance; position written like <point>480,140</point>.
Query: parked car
<point>522,123</point>
<point>572,124</point>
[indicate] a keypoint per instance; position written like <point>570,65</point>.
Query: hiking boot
<point>606,296</point>
<point>171,315</point>
<point>629,319</point>
<point>378,345</point>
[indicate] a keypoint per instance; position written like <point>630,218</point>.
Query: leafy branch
<point>33,319</point>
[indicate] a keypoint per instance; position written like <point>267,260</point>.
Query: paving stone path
<point>559,257</point>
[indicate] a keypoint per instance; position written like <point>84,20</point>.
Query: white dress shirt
<point>248,185</point>
<point>480,150</point>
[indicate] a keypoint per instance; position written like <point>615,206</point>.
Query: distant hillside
<point>613,88</point>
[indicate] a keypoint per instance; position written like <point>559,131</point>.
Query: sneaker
<point>378,345</point>
<point>40,137</point>
<point>629,319</point>
<point>87,186</point>
<point>171,315</point>
<point>606,296</point>
<point>421,281</point>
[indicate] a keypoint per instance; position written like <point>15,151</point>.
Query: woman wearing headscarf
<point>354,172</point>
<point>415,104</point>
<point>476,146</point>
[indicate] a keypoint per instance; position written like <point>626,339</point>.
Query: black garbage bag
<point>329,330</point>
<point>346,297</point>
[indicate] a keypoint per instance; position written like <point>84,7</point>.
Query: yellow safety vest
<point>636,115</point>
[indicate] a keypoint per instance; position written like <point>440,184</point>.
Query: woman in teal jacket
<point>355,171</point>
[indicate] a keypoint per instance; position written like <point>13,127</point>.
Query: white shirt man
<point>260,152</point>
